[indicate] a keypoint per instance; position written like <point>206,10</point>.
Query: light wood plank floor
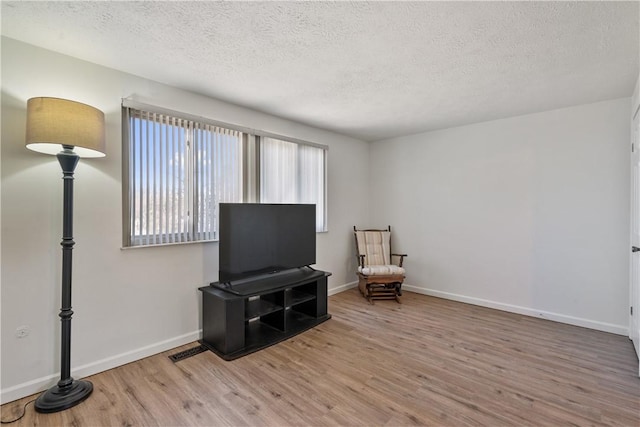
<point>427,361</point>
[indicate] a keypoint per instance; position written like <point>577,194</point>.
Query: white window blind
<point>293,173</point>
<point>218,172</point>
<point>178,172</point>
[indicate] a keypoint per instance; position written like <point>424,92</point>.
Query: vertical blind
<point>179,170</point>
<point>293,173</point>
<point>218,172</point>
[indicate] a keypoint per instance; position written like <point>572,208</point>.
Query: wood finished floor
<point>427,361</point>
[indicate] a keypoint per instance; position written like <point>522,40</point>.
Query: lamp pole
<point>68,392</point>
<point>79,129</point>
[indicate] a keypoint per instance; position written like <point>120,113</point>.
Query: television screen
<point>265,238</point>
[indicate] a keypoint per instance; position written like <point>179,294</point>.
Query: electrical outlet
<point>22,331</point>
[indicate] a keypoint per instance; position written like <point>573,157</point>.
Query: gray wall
<point>528,214</point>
<point>127,303</point>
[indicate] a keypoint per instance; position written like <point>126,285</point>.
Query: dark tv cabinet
<point>261,311</point>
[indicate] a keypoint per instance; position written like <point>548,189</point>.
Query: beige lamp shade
<point>53,122</point>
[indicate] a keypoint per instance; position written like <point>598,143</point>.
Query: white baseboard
<point>342,288</point>
<point>527,311</point>
<point>39,384</point>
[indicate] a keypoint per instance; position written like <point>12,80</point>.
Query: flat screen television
<point>260,238</point>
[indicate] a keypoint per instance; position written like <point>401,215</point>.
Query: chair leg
<point>368,295</point>
<point>363,286</point>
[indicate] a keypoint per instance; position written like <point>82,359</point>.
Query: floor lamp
<point>69,130</point>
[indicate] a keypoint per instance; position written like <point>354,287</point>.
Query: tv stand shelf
<point>259,307</point>
<point>265,311</point>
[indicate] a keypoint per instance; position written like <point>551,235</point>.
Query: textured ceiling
<point>371,70</point>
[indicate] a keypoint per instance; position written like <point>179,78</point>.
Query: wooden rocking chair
<point>378,277</point>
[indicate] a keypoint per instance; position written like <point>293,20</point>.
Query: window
<point>293,173</point>
<point>178,172</point>
<point>178,168</point>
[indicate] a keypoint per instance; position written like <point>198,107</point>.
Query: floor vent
<point>187,353</point>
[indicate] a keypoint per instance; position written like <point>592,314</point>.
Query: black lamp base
<point>60,398</point>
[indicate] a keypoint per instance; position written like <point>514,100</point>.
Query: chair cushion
<point>375,246</point>
<point>381,270</point>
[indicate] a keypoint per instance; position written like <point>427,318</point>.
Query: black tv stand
<point>245,316</point>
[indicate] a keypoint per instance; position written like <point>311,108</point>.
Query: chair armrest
<point>401,258</point>
<point>361,260</point>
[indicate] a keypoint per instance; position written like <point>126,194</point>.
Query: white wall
<point>528,214</point>
<point>127,303</point>
<point>635,97</point>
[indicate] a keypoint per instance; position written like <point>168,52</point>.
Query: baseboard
<point>342,288</point>
<point>562,318</point>
<point>35,386</point>
<point>40,384</point>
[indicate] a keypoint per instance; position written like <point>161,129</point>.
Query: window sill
<point>155,245</point>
